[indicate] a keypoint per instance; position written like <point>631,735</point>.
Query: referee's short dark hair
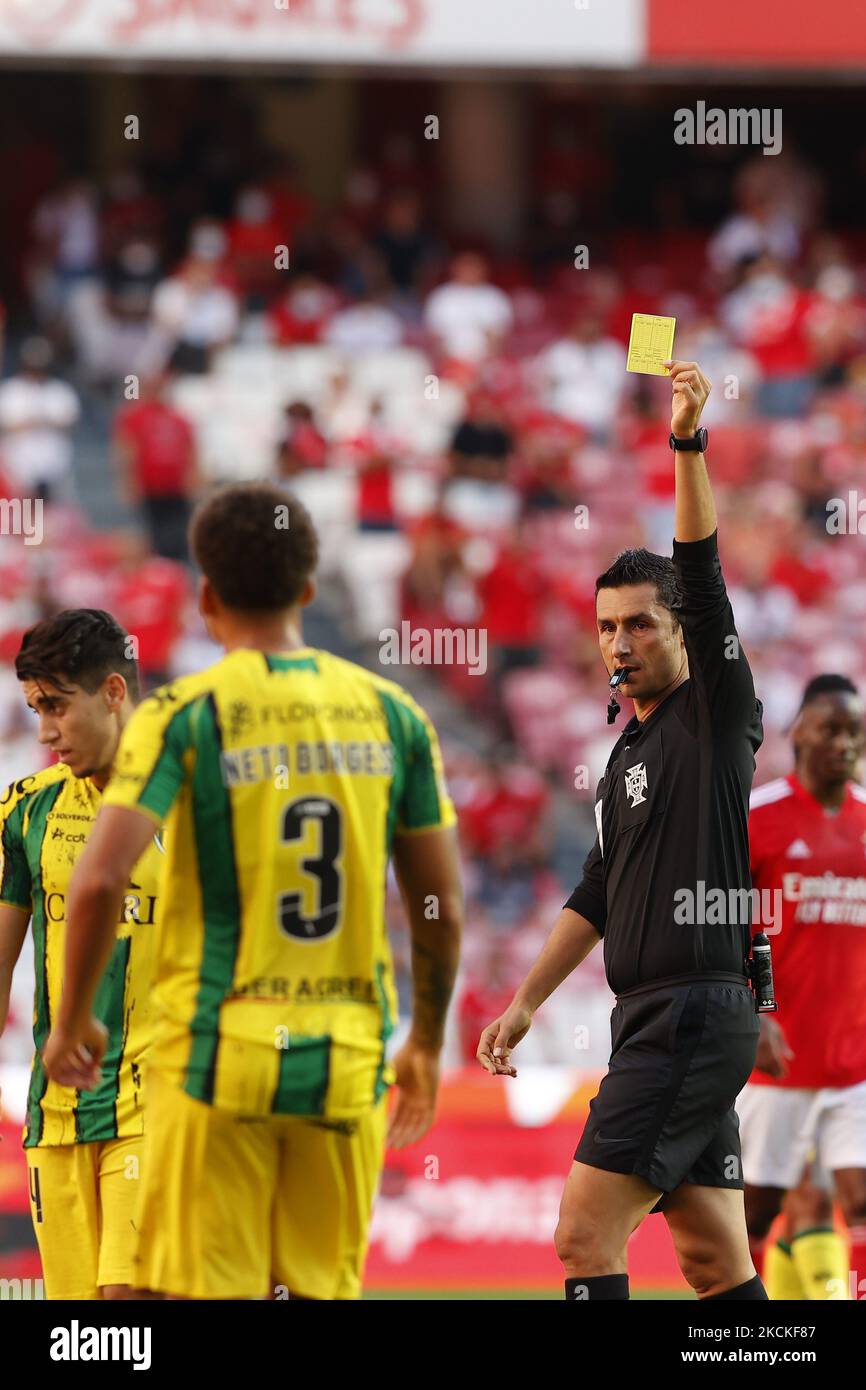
<point>643,567</point>
<point>827,684</point>
<point>256,545</point>
<point>82,645</point>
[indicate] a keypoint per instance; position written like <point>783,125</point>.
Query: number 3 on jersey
<point>324,888</point>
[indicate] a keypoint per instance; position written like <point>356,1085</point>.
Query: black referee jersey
<point>672,806</point>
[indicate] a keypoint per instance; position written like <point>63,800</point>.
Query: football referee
<point>671,814</point>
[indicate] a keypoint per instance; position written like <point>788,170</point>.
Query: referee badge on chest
<point>636,784</point>
<point>642,795</point>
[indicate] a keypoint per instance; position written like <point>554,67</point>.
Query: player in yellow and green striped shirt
<point>286,778</point>
<point>83,1147</point>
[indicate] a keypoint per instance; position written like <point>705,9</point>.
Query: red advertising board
<point>776,34</point>
<point>475,1204</point>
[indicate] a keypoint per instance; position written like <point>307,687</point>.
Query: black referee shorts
<point>681,1054</point>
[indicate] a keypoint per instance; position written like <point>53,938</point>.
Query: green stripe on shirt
<point>96,1110</point>
<point>302,1083</point>
<point>418,804</point>
<point>39,807</point>
<point>220,897</point>
<point>163,784</point>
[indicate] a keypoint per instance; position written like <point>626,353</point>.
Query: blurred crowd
<point>461,423</point>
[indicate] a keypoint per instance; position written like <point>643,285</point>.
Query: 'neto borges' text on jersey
<point>672,806</point>
<point>283,780</point>
<point>45,821</point>
<point>815,861</point>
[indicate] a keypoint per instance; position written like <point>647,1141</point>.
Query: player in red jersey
<point>803,1111</point>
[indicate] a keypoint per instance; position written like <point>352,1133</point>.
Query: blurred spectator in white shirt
<point>367,326</point>
<point>110,327</point>
<point>777,204</point>
<point>345,409</point>
<point>467,316</point>
<point>66,224</point>
<point>193,312</point>
<point>734,371</point>
<point>583,375</point>
<point>37,413</point>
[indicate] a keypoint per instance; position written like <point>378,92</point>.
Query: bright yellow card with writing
<point>651,344</point>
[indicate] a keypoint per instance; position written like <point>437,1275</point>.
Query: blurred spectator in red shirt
<point>302,445</point>
<point>836,323</point>
<point>254,234</point>
<point>505,823</point>
<point>436,565</point>
<point>512,594</point>
<point>485,996</point>
<point>149,598</point>
<point>373,451</point>
<point>801,564</point>
<point>291,208</point>
<point>767,314</point>
<point>302,313</point>
<point>155,447</point>
<point>130,211</point>
<point>544,473</point>
<point>505,815</point>
<point>401,164</point>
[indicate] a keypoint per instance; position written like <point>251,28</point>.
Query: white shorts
<point>785,1130</point>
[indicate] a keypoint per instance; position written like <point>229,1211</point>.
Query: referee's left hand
<point>689,389</point>
<point>500,1036</point>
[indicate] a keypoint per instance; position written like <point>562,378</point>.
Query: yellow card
<point>651,344</point>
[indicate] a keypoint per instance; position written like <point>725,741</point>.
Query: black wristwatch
<point>696,445</point>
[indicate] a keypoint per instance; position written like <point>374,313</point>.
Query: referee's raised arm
<point>717,666</point>
<point>695,516</point>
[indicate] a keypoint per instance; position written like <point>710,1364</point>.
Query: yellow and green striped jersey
<point>45,821</point>
<point>283,781</point>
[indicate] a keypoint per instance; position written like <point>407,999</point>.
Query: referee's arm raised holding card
<point>671,815</point>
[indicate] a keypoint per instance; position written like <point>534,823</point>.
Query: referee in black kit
<point>671,812</point>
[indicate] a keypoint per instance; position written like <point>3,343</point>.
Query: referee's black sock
<point>601,1286</point>
<point>753,1290</point>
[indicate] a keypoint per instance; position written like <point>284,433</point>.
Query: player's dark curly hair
<point>256,544</point>
<point>827,684</point>
<point>643,567</point>
<point>81,645</point>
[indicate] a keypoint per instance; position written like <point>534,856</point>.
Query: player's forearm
<point>5,995</point>
<point>428,872</point>
<point>570,942</point>
<point>13,929</point>
<point>435,960</point>
<point>91,928</point>
<point>695,514</point>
